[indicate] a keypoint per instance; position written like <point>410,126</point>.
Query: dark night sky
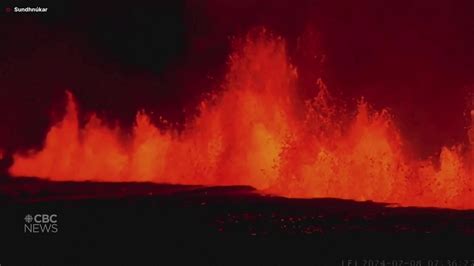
<point>415,57</point>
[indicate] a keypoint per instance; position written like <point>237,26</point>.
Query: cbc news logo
<point>41,223</point>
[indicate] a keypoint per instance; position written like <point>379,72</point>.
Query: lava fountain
<point>258,132</point>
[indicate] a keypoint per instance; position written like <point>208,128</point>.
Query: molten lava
<point>258,132</point>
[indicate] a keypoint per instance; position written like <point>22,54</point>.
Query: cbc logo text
<point>41,223</point>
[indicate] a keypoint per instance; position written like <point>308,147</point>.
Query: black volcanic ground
<point>153,223</point>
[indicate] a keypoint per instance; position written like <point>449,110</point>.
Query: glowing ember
<point>258,132</point>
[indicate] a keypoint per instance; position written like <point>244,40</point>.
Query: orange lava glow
<point>257,131</point>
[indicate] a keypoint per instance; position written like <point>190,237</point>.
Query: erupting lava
<point>258,132</point>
